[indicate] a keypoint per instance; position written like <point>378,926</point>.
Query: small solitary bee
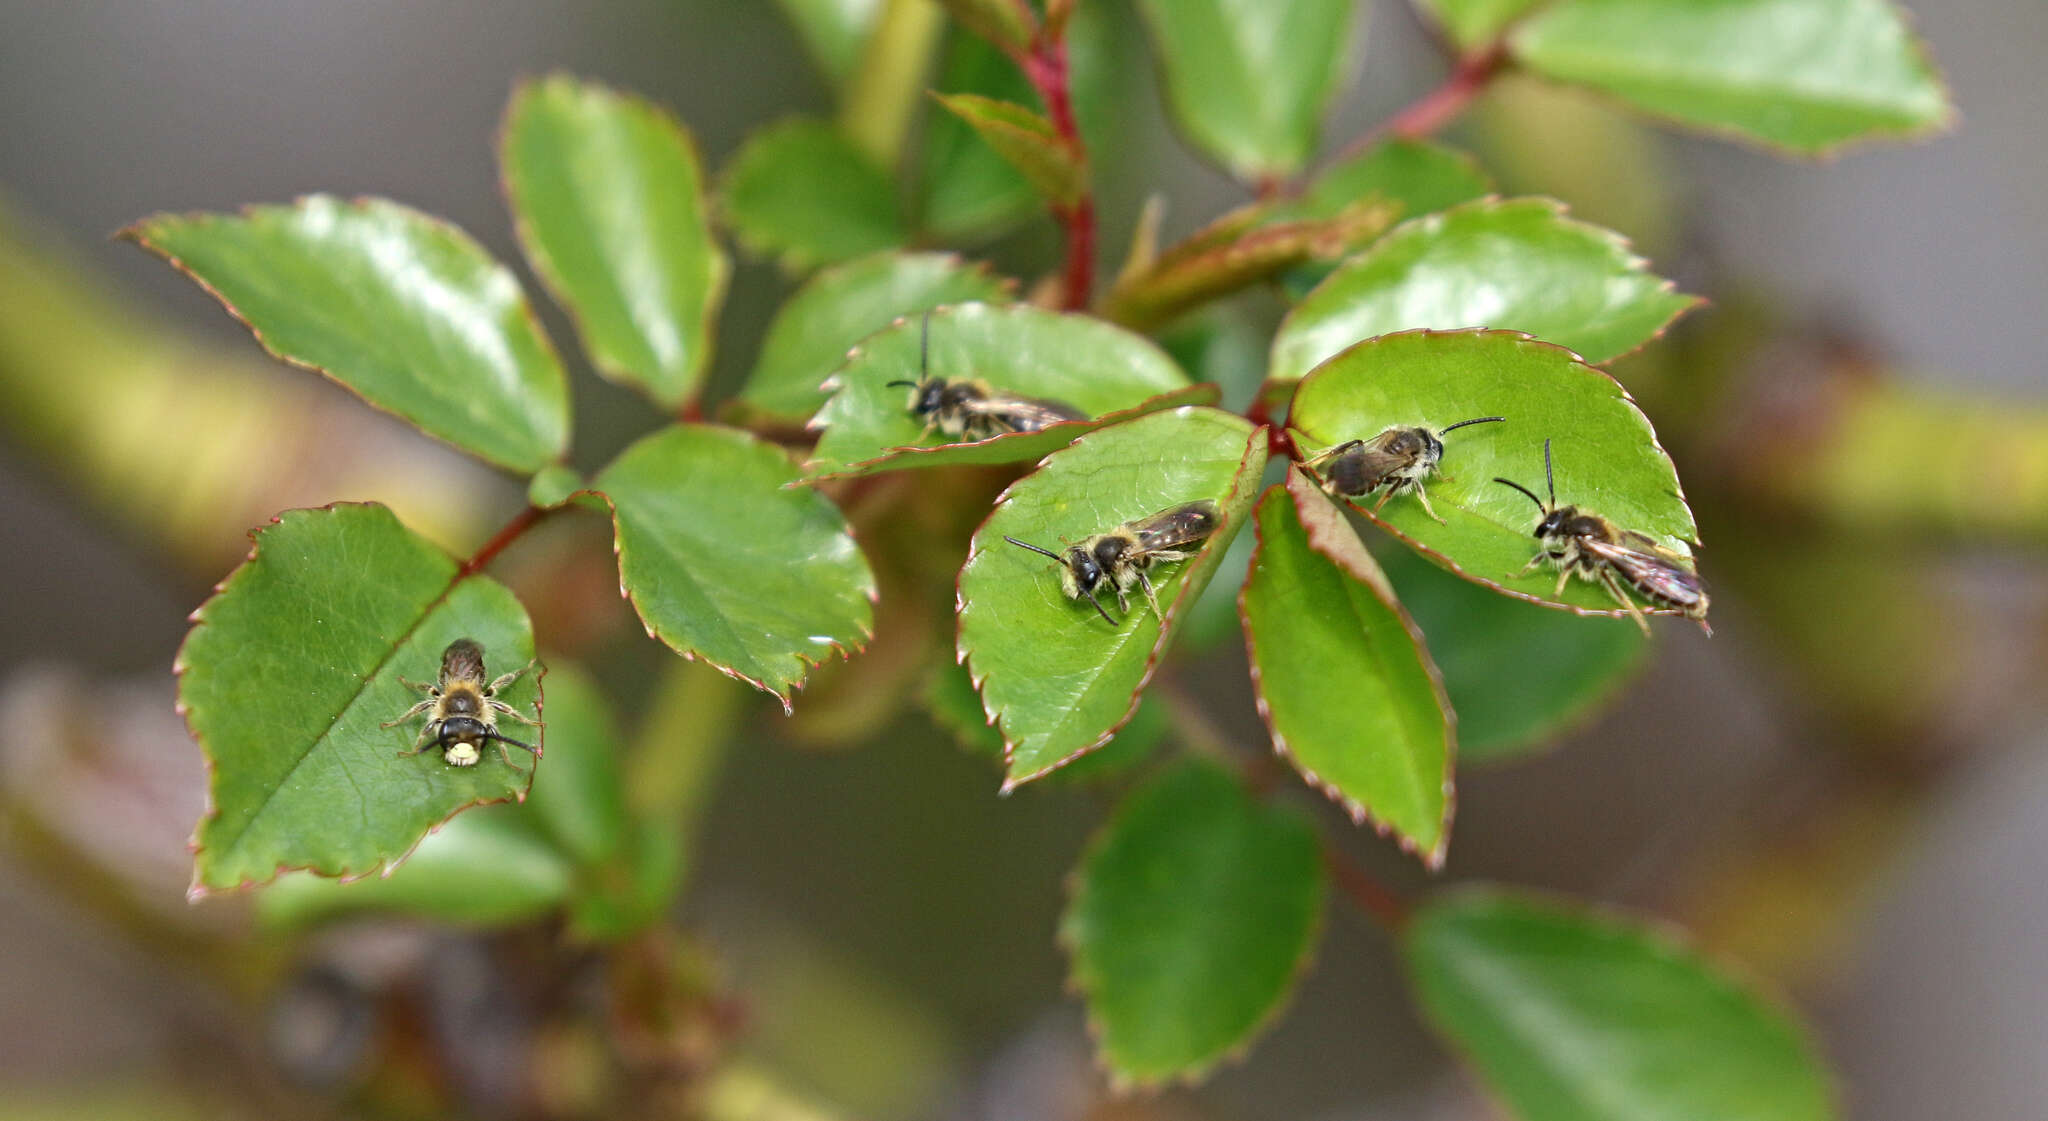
<point>462,711</point>
<point>968,409</point>
<point>1398,459</point>
<point>1591,547</point>
<point>1122,555</point>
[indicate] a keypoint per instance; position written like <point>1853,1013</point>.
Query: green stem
<point>884,91</point>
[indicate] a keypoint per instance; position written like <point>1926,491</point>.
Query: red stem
<point>1045,65</point>
<point>1433,110</point>
<point>520,523</point>
<point>1378,902</point>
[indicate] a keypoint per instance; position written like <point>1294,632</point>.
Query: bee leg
<point>501,741</point>
<point>1151,597</point>
<point>500,706</point>
<point>1531,566</point>
<point>1613,587</point>
<point>1563,575</point>
<point>408,714</point>
<point>1424,499</point>
<point>421,686</point>
<point>430,737</point>
<point>506,679</point>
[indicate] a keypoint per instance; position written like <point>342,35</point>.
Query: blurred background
<point>1844,790</point>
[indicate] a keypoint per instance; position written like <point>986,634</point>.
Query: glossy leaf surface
<point>292,666</point>
<point>725,562</point>
<point>1517,264</point>
<point>1808,76</point>
<point>1248,82</point>
<point>489,867</point>
<point>400,307</point>
<point>1420,177</point>
<point>609,199</point>
<point>1194,912</point>
<point>1057,678</point>
<point>1024,138</point>
<point>1578,1015</point>
<point>1607,458</point>
<point>1077,360</point>
<point>1344,681</point>
<point>1517,675</point>
<point>844,304</point>
<point>801,192</point>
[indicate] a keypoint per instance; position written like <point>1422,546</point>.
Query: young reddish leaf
<point>842,305</point>
<point>1571,1014</point>
<point>1058,678</point>
<point>293,666</point>
<point>1028,141</point>
<point>801,192</point>
<point>400,307</point>
<point>1607,458</point>
<point>725,561</point>
<point>1008,24</point>
<point>1095,367</point>
<point>1318,612</point>
<point>1808,77</point>
<point>1194,912</point>
<point>609,198</point>
<point>1248,82</point>
<point>1517,264</point>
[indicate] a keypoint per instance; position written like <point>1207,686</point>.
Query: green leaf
<point>834,32</point>
<point>1057,678</point>
<point>1607,458</point>
<point>400,307</point>
<point>609,201</point>
<point>1318,612</point>
<point>966,189</point>
<point>1475,23</point>
<point>1050,162</point>
<point>486,868</point>
<point>1194,912</point>
<point>553,486</point>
<point>1098,368</point>
<point>582,805</point>
<point>1572,1014</point>
<point>801,192</point>
<point>1517,264</point>
<point>292,666</point>
<point>954,705</point>
<point>844,304</point>
<point>1008,24</point>
<point>724,562</point>
<point>1421,177</point>
<point>1517,675</point>
<point>1808,76</point>
<point>1248,82</point>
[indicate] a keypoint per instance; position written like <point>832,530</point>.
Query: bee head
<point>463,729</point>
<point>926,396</point>
<point>1084,571</point>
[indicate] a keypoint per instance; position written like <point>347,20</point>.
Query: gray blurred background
<point>1934,1002</point>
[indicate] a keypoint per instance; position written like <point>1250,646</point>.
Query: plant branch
<point>1374,899</point>
<point>1045,65</point>
<point>521,522</point>
<point>1428,114</point>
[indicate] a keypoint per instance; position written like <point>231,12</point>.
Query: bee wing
<point>1180,525</point>
<point>1024,414</point>
<point>1655,571</point>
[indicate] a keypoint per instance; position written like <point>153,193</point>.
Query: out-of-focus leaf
<point>801,192</point>
<point>1194,912</point>
<point>833,31</point>
<point>1248,82</point>
<point>290,669</point>
<point>486,868</point>
<point>1517,675</point>
<point>725,562</point>
<point>1474,23</point>
<point>1517,264</point>
<point>1807,76</point>
<point>552,486</point>
<point>1607,458</point>
<point>844,304</point>
<point>1575,1015</point>
<point>581,806</point>
<point>1421,177</point>
<point>1344,681</point>
<point>400,307</point>
<point>609,199</point>
<point>1049,161</point>
<point>1057,678</point>
<point>1008,24</point>
<point>1095,367</point>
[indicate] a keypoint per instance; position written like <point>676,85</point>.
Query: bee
<point>1121,556</point>
<point>968,409</point>
<point>1397,459</point>
<point>462,712</point>
<point>1591,547</point>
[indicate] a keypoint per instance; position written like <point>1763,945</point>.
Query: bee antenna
<point>1549,480</point>
<point>1524,490</point>
<point>1030,546</point>
<point>1474,420</point>
<point>924,346</point>
<point>899,381</point>
<point>1097,605</point>
<point>493,735</point>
